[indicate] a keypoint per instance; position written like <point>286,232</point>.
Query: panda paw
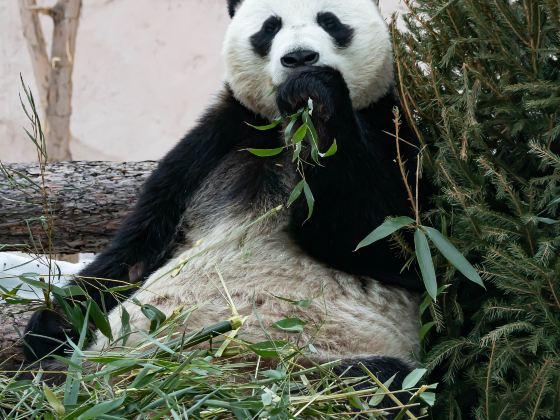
<point>46,334</point>
<point>324,85</point>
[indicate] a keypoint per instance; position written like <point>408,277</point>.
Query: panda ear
<point>232,6</point>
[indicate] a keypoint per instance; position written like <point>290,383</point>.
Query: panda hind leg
<point>384,368</point>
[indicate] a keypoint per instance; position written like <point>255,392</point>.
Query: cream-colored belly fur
<point>260,262</point>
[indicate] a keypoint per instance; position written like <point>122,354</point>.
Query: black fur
<point>384,368</point>
<point>46,334</point>
<point>355,191</point>
<point>341,33</point>
<point>232,6</point>
<point>359,186</point>
<point>262,40</point>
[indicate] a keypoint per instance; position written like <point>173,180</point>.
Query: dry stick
<point>401,87</point>
<point>412,402</point>
<point>418,166</point>
<point>542,371</point>
<point>404,97</point>
<point>488,380</point>
<point>411,197</point>
<point>538,403</point>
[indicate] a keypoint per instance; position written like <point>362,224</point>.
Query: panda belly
<point>232,233</point>
<point>350,316</point>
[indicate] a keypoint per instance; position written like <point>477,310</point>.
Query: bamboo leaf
<point>304,304</point>
<point>547,221</point>
<point>297,152</point>
<point>54,402</point>
<point>424,257</point>
<point>102,408</point>
<point>73,379</point>
<point>453,255</point>
<point>426,328</point>
<point>26,278</point>
<point>294,325</point>
<point>413,378</point>
<point>331,152</point>
<point>274,374</point>
<point>270,126</point>
<point>388,227</point>
<point>154,315</point>
<point>100,320</point>
<point>290,128</point>
<point>300,134</point>
<point>309,198</point>
<point>296,193</point>
<point>268,348</point>
<point>429,398</point>
<point>266,152</point>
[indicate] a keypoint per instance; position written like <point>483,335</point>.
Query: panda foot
<point>53,372</point>
<point>46,335</point>
<point>384,368</point>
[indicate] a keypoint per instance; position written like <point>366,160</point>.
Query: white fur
<point>261,262</point>
<point>366,65</point>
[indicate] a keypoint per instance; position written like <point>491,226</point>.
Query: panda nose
<point>300,58</point>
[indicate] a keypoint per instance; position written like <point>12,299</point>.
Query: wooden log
<point>13,319</point>
<point>86,203</point>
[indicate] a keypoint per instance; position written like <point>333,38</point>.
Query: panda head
<point>268,39</point>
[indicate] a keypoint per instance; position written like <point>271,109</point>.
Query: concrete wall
<point>145,70</point>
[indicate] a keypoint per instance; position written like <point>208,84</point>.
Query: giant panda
<point>202,208</point>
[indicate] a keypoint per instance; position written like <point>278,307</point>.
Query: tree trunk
<point>37,47</point>
<point>65,16</point>
<point>53,74</point>
<point>86,203</point>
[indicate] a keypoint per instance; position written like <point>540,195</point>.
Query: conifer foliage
<point>480,80</point>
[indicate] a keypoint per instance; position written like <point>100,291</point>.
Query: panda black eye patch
<point>262,40</point>
<point>341,33</point>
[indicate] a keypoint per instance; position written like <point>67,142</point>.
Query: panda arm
<point>146,239</point>
<point>357,188</point>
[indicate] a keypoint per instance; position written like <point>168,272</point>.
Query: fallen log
<point>86,202</point>
<point>13,319</point>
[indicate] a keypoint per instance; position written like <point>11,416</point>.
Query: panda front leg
<point>146,239</point>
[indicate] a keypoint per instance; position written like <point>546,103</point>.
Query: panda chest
<point>240,197</point>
